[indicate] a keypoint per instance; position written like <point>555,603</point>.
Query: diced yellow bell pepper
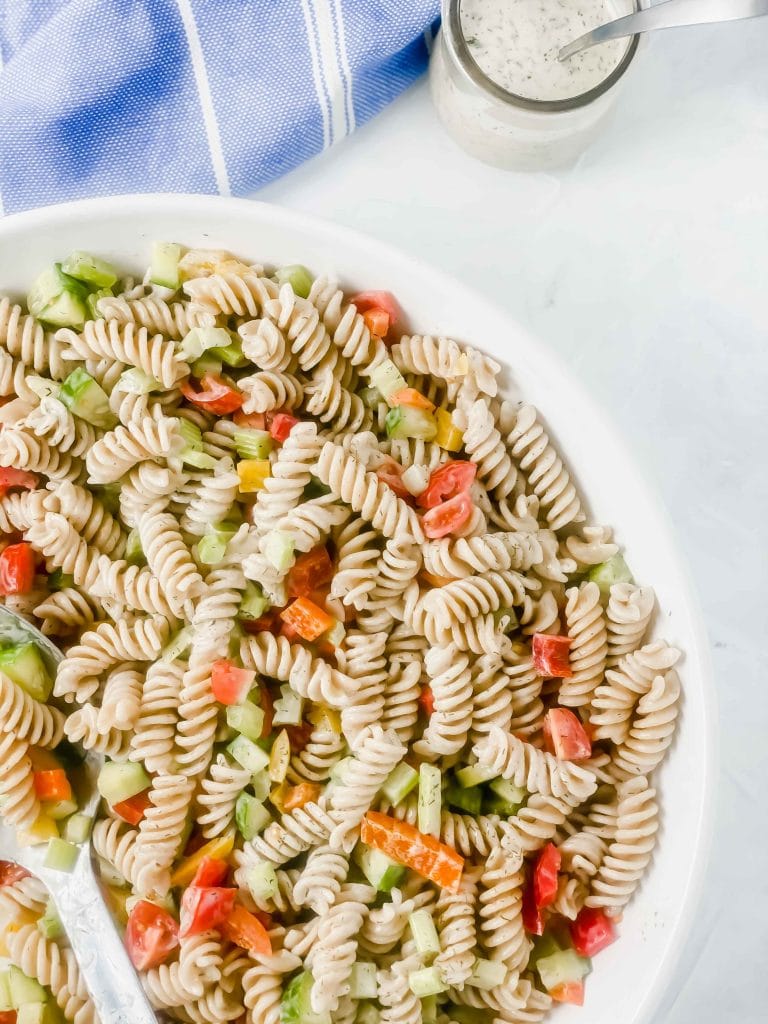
<point>325,719</point>
<point>116,898</point>
<point>448,435</point>
<point>218,848</point>
<point>253,473</point>
<point>43,829</point>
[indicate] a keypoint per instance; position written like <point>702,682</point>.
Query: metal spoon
<point>108,973</point>
<point>672,14</point>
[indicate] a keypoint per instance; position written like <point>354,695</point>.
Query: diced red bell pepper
<point>215,395</point>
<point>245,930</point>
<point>11,477</point>
<point>550,655</point>
<point>545,876</point>
<point>307,618</point>
<point>52,785</point>
<point>230,684</point>
<point>17,569</point>
<point>211,873</point>
<point>448,517</point>
<point>592,931</point>
<point>281,426</point>
<point>402,842</point>
<point>310,571</point>
<point>452,478</point>
<point>533,920</point>
<point>205,908</point>
<point>134,808</point>
<point>427,700</point>
<point>565,736</point>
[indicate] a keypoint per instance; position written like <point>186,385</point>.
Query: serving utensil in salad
<point>671,14</point>
<point>107,971</point>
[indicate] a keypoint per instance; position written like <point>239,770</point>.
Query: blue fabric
<point>99,97</point>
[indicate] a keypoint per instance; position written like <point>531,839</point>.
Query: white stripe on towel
<point>320,86</point>
<point>331,68</point>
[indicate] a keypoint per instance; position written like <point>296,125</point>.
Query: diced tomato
<point>11,872</point>
<point>550,655</point>
<point>134,808</point>
<point>204,908</point>
<point>448,517</point>
<point>299,736</point>
<point>253,420</point>
<point>390,472</point>
<point>382,302</point>
<point>298,796</point>
<point>569,992</point>
<point>230,684</point>
<point>10,478</point>
<point>245,930</point>
<point>8,1016</point>
<point>215,395</point>
<point>281,426</point>
<point>452,478</point>
<point>307,618</point>
<point>533,921</point>
<point>310,571</point>
<point>211,873</point>
<point>267,706</point>
<point>565,736</point>
<point>427,700</point>
<point>545,876</point>
<point>412,397</point>
<point>404,843</point>
<point>592,931</point>
<point>17,569</point>
<point>151,935</point>
<point>52,785</point>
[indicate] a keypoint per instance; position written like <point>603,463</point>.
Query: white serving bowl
<point>631,978</point>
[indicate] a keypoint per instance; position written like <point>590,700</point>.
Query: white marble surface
<point>646,268</point>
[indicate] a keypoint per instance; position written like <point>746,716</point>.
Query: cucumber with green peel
<point>297,276</point>
<point>400,781</point>
<point>514,796</point>
<point>134,552</point>
<point>562,968</point>
<point>544,946</point>
<point>57,299</point>
<point>136,382</point>
<point>90,269</point>
<point>487,974</point>
<point>424,933</point>
<point>247,754</point>
<point>296,1002</point>
<point>5,993</point>
<point>24,665</point>
<point>262,882</point>
<point>120,781</point>
<point>262,785</point>
<point>207,363</point>
<point>615,570</point>
<point>77,828</point>
<point>426,982</point>
<point>278,547</point>
<point>251,816</point>
<point>202,339</point>
<point>86,399</point>
<point>246,719</point>
<point>474,775</point>
<point>370,397</point>
<point>231,354</point>
<point>93,300</point>
<point>58,580</point>
<point>362,980</point>
<point>253,443</point>
<point>254,602</point>
<point>164,269</point>
<point>430,800</point>
<point>59,809</point>
<point>382,872</point>
<point>50,924</point>
<point>23,989</point>
<point>469,800</point>
<point>387,379</point>
<point>405,421</point>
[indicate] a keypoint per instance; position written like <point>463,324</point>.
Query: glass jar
<point>510,131</point>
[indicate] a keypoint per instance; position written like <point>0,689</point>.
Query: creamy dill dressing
<point>515,43</point>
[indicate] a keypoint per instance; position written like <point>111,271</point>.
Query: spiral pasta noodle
<point>129,344</point>
<point>586,628</point>
<point>451,684</point>
<point>42,959</point>
<point>173,319</point>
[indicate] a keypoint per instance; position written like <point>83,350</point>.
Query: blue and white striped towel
<point>111,96</point>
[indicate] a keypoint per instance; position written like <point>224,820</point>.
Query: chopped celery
<point>93,300</point>
<point>253,444</point>
<point>400,781</point>
<point>119,781</point>
<point>24,989</point>
<point>468,799</point>
<point>416,479</point>
<point>370,397</point>
<point>91,269</point>
<point>192,454</point>
<point>474,775</point>
<point>246,719</point>
<point>61,855</point>
<point>280,757</point>
<point>278,547</point>
<point>262,882</point>
<point>231,354</point>
<point>426,982</point>
<point>60,809</point>
<point>58,299</point>
<point>247,754</point>
<point>424,933</point>
<point>254,602</point>
<point>164,269</point>
<point>362,981</point>
<point>50,924</point>
<point>137,382</point>
<point>201,339</point>
<point>405,421</point>
<point>23,664</point>
<point>297,276</point>
<point>178,645</point>
<point>78,828</point>
<point>87,399</point>
<point>251,816</point>
<point>562,968</point>
<point>487,974</point>
<point>381,871</point>
<point>430,784</point>
<point>296,1003</point>
<point>289,707</point>
<point>134,552</point>
<point>615,570</point>
<point>387,379</point>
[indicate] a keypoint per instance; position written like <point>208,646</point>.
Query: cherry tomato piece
<point>550,655</point>
<point>448,517</point>
<point>565,736</point>
<point>545,876</point>
<point>151,935</point>
<point>592,931</point>
<point>215,396</point>
<point>204,908</point>
<point>452,478</point>
<point>17,569</point>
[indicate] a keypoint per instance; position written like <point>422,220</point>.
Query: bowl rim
<point>664,984</point>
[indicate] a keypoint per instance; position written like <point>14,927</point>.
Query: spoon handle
<point>671,14</point>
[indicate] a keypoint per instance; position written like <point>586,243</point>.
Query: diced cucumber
<point>339,770</point>
<point>201,339</point>
<point>137,382</point>
<point>58,580</point>
<point>24,664</point>
<point>178,645</point>
<point>247,754</point>
<point>370,397</point>
<point>59,809</point>
<point>85,398</point>
<point>487,974</point>
<point>57,299</point>
<point>382,872</point>
<point>253,444</point>
<point>246,719</point>
<point>362,980</point>
<point>336,635</point>
<point>211,548</point>
<point>50,924</point>
<point>296,1003</point>
<point>93,300</point>
<point>430,800</point>
<point>262,883</point>
<point>254,602</point>
<point>424,933</point>
<point>469,800</point>
<point>24,989</point>
<point>207,363</point>
<point>544,946</point>
<point>119,781</point>
<point>505,619</point>
<point>5,993</point>
<point>39,1013</point>
<point>400,781</point>
<point>251,816</point>
<point>164,269</point>
<point>261,784</point>
<point>231,354</point>
<point>615,570</point>
<point>278,547</point>
<point>405,421</point>
<point>91,269</point>
<point>513,796</point>
<point>426,982</point>
<point>561,968</point>
<point>367,1013</point>
<point>474,775</point>
<point>280,757</point>
<point>134,552</point>
<point>387,379</point>
<point>298,277</point>
<point>416,479</point>
<point>289,707</point>
<point>78,828</point>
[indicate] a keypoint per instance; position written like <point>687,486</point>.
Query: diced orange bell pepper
<point>245,930</point>
<point>402,842</point>
<point>306,618</point>
<point>51,785</point>
<point>412,397</point>
<point>298,796</point>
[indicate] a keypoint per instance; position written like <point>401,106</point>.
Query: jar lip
<point>479,77</point>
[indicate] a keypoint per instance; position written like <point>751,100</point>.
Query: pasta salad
<point>376,702</point>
